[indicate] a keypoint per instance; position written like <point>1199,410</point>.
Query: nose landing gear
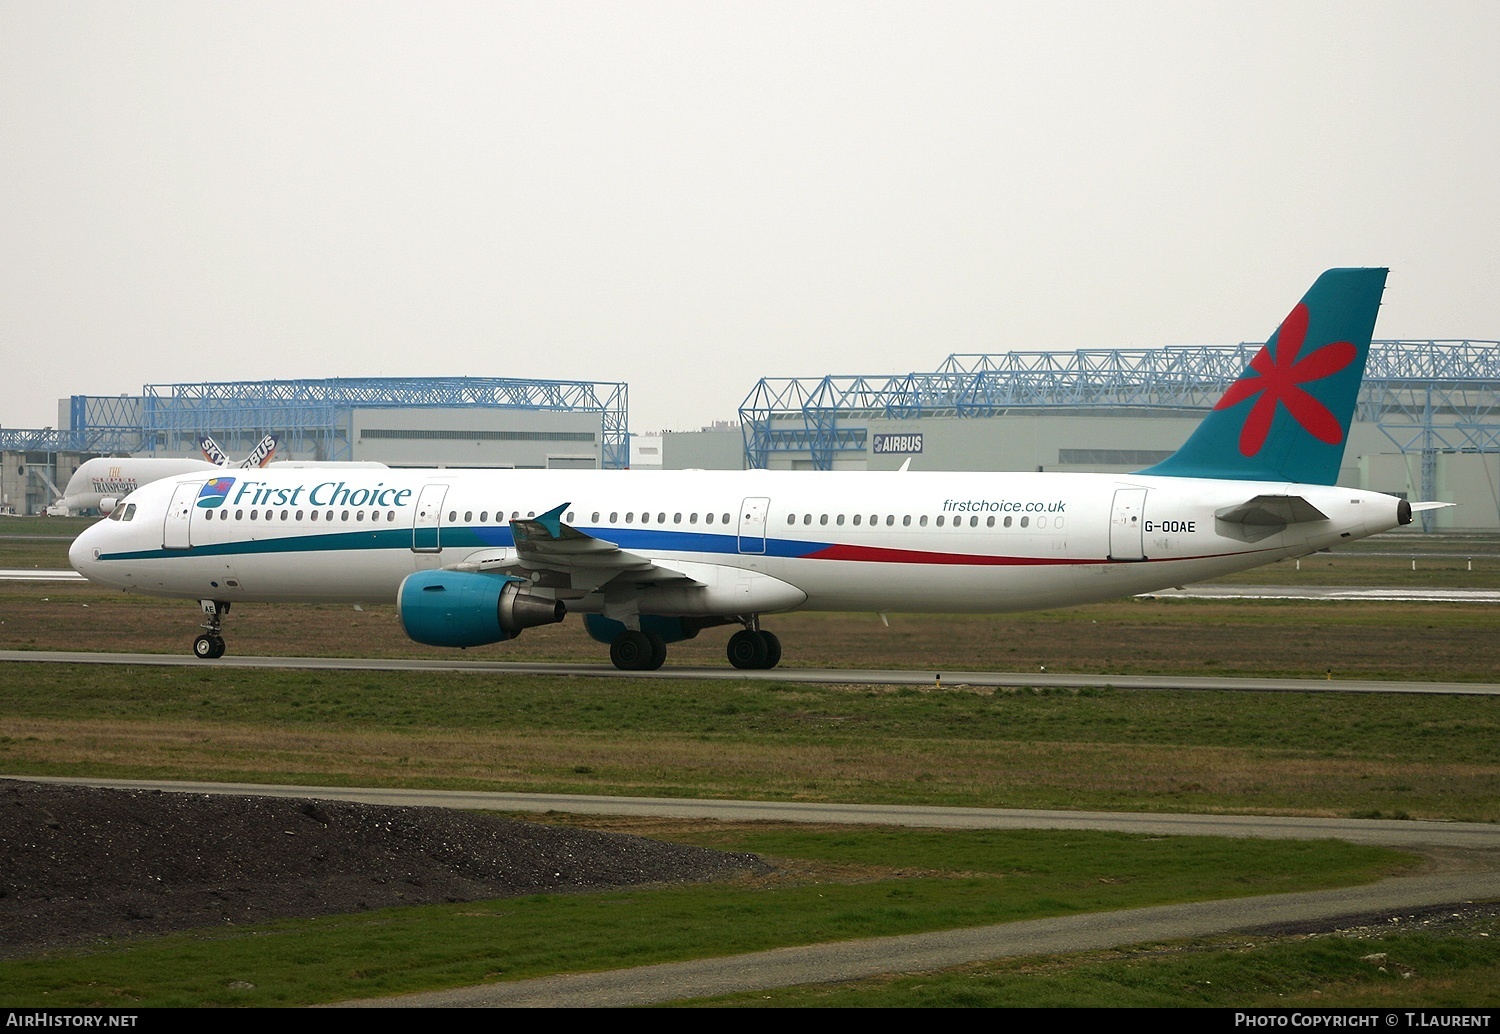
<point>210,644</point>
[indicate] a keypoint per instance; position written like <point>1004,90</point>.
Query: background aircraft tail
<point>1287,417</point>
<point>212,452</point>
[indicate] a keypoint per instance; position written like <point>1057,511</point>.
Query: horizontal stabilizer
<point>1271,511</point>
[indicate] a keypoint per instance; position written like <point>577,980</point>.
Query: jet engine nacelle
<point>107,505</point>
<point>458,608</point>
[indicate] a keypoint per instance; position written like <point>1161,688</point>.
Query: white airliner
<point>648,558</point>
<point>99,483</point>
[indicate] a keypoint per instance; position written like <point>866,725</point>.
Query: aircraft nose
<point>81,552</point>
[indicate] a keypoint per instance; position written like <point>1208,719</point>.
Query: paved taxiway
<point>1383,832</point>
<point>849,960</point>
<point>1329,593</point>
<point>950,679</point>
<point>1211,591</point>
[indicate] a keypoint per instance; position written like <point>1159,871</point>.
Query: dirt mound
<point>78,864</point>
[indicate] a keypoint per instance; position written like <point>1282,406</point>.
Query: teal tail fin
<point>1287,417</point>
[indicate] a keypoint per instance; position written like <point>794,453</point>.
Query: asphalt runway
<point>949,679</point>
<point>1477,881</point>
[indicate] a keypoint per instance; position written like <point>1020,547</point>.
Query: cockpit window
<point>129,512</point>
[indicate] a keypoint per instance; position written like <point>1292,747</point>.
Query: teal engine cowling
<point>460,608</point>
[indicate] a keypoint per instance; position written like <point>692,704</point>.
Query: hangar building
<point>1427,425</point>
<point>419,421</point>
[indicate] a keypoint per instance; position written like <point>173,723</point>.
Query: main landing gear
<point>645,649</point>
<point>633,650</point>
<point>210,644</point>
<point>754,648</point>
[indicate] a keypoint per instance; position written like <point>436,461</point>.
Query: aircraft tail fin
<point>212,452</point>
<point>263,452</point>
<point>1287,417</point>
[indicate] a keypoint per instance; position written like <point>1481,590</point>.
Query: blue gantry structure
<point>1427,397</point>
<point>312,417</point>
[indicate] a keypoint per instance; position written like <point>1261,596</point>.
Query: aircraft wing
<point>558,556</point>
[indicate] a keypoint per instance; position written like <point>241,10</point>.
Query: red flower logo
<point>1278,380</point>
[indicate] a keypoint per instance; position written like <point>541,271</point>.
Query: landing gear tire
<point>637,651</point>
<point>208,647</point>
<point>753,649</point>
<point>748,649</point>
<point>658,651</point>
<point>773,649</point>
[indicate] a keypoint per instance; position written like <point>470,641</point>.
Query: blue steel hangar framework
<point>1427,397</point>
<point>315,417</point>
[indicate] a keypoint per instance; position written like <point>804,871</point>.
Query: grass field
<point>834,885</point>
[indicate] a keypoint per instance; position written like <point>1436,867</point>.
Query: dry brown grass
<point>992,773</point>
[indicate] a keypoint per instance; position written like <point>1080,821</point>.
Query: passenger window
<point>390,515</point>
<point>708,518</point>
<point>890,520</point>
<point>726,518</point>
<point>359,515</point>
<point>1025,521</point>
<point>840,520</point>
<point>857,518</point>
<point>693,518</point>
<point>343,515</point>
<point>806,518</point>
<point>823,519</point>
<point>299,515</point>
<point>989,522</point>
<point>630,518</point>
<point>1007,522</point>
<point>922,520</point>
<point>314,515</point>
<point>973,522</point>
<point>1058,524</point>
<point>614,517</point>
<point>452,516</point>
<point>677,518</point>
<point>940,520</point>
<point>468,516</point>
<point>661,518</point>
<point>596,516</point>
<point>791,518</point>
<point>645,518</point>
<point>253,514</point>
<point>570,517</point>
<point>328,516</point>
<point>906,521</point>
<point>239,515</point>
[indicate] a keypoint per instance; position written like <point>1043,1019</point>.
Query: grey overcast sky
<point>690,196</point>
